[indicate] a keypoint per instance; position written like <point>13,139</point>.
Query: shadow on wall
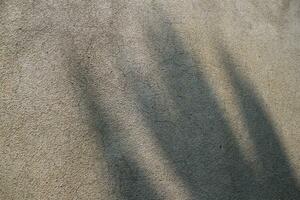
<point>276,176</point>
<point>127,180</point>
<point>196,139</point>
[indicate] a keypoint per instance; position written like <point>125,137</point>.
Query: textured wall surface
<point>149,99</point>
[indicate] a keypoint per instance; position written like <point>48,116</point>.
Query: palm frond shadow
<point>199,141</point>
<point>276,177</point>
<point>127,180</point>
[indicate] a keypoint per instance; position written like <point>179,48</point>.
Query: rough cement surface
<point>137,99</point>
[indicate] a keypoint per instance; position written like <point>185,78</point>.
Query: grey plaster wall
<point>133,99</point>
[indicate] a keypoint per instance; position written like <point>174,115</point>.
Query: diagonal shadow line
<point>128,180</point>
<point>200,132</point>
<point>199,141</point>
<point>277,178</point>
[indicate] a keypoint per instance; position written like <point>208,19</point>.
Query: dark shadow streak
<point>276,178</point>
<point>128,180</point>
<point>199,141</point>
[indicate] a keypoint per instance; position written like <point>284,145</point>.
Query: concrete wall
<point>175,100</point>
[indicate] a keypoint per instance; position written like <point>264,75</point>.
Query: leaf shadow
<point>190,126</point>
<point>127,180</point>
<point>276,177</point>
<point>198,140</point>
